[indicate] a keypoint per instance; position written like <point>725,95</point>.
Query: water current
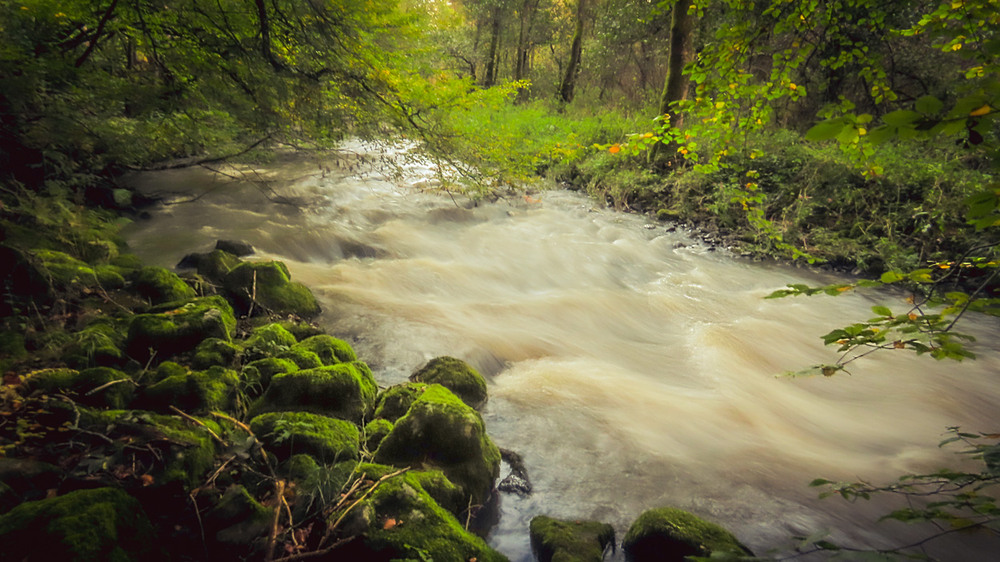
<point>628,364</point>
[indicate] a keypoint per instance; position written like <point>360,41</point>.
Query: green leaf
<point>901,117</point>
<point>891,277</point>
<point>928,105</point>
<point>882,311</point>
<point>826,130</point>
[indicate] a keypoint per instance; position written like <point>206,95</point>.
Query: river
<point>629,365</point>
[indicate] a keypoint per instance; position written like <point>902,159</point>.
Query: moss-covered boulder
<point>83,526</point>
<point>326,439</point>
<point>98,387</point>
<point>268,341</point>
<point>670,534</point>
<point>193,392</point>
<point>66,272</point>
<point>257,374</point>
<point>375,431</point>
<point>215,352</point>
<point>236,521</point>
<point>570,541</point>
<point>395,401</point>
<point>98,344</point>
<point>160,285</point>
<point>329,349</point>
<point>455,375</point>
<point>172,449</point>
<point>268,286</point>
<point>346,391</point>
<point>27,479</point>
<point>303,358</point>
<point>440,431</point>
<point>179,328</point>
<point>404,522</point>
<point>213,266</point>
<point>164,370</point>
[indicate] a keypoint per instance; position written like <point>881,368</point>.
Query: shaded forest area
<point>860,134</point>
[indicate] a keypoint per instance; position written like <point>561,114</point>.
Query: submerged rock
<point>570,541</point>
<point>670,534</point>
<point>455,375</point>
<point>440,431</point>
<point>82,526</point>
<point>235,247</point>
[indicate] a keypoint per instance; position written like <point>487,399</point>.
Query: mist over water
<point>629,366</point>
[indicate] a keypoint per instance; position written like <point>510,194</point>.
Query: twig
<point>272,539</point>
<point>107,384</point>
<point>315,553</point>
<point>364,496</point>
<point>198,422</point>
<point>235,421</point>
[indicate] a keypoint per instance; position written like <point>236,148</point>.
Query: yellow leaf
<point>615,149</point>
<point>912,316</point>
<point>981,111</point>
<point>793,86</point>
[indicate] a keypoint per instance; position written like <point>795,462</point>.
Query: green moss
<point>327,439</point>
<point>570,541</point>
<point>301,330</point>
<point>268,285</point>
<point>672,534</point>
<point>456,375</point>
<point>99,525</point>
<point>375,431</point>
<point>345,390</point>
<point>237,520</point>
<point>214,351</point>
<point>127,261</point>
<point>329,349</point>
<point>177,329</point>
<point>258,374</point>
<point>215,265</point>
<point>184,452</point>
<point>419,526</point>
<point>65,271</point>
<point>168,369</point>
<point>99,343</point>
<point>395,401</point>
<point>304,358</point>
<point>444,491</point>
<point>201,391</point>
<point>82,384</point>
<point>268,340</point>
<point>441,431</point>
<point>160,285</point>
<point>109,276</point>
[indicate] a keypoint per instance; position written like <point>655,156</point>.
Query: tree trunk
<point>490,77</point>
<point>675,86</point>
<point>264,22</point>
<point>576,50</point>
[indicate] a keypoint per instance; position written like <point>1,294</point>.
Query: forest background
<point>853,133</point>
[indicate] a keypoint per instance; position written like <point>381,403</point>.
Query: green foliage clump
<point>82,526</point>
<point>577,541</point>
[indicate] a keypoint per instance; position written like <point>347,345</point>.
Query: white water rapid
<point>630,367</point>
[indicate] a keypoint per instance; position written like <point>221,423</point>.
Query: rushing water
<point>631,367</point>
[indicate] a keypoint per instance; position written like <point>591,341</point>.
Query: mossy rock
<point>268,285</point>
<point>440,431</point>
<point>303,358</point>
<point>67,272</point>
<point>327,439</point>
<point>301,330</point>
<point>215,352</point>
<point>236,521</point>
<point>98,344</point>
<point>346,391</point>
<point>127,262</point>
<point>395,401</point>
<point>258,374</point>
<point>179,328</point>
<point>315,482</point>
<point>180,451</point>
<point>404,522</point>
<point>329,349</point>
<point>82,384</point>
<point>99,525</point>
<point>444,491</point>
<point>455,375</point>
<point>27,479</point>
<point>267,341</point>
<point>213,266</point>
<point>193,392</point>
<point>375,431</point>
<point>670,534</point>
<point>570,541</point>
<point>168,369</point>
<point>161,285</point>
